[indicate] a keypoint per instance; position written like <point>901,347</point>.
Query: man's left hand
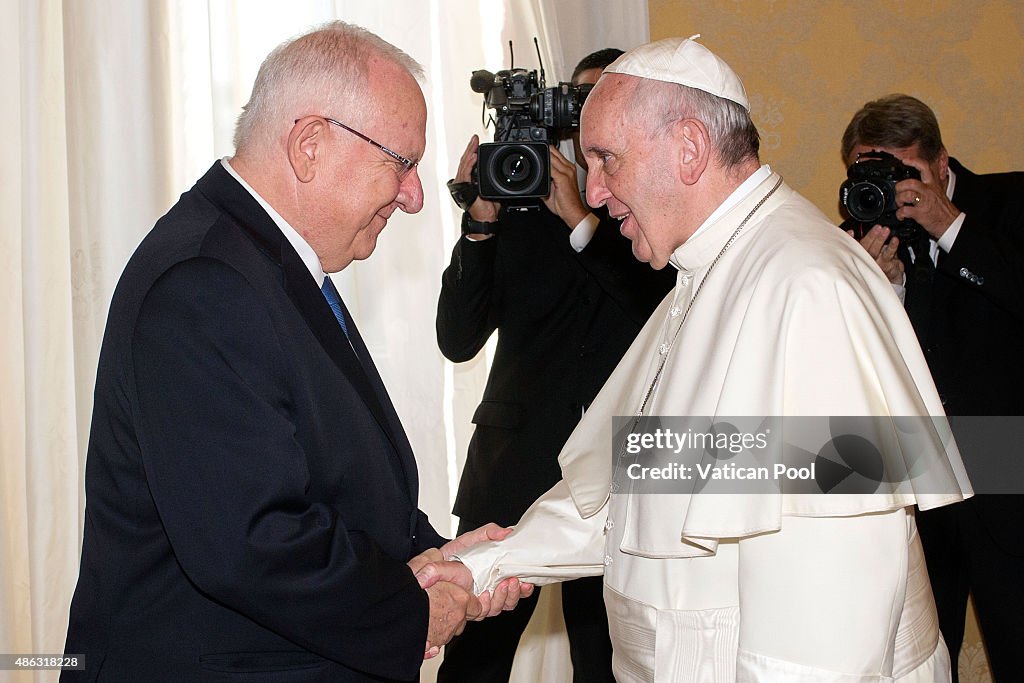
<point>423,559</point>
<point>927,204</point>
<point>884,250</point>
<point>564,199</point>
<point>488,532</point>
<point>453,572</point>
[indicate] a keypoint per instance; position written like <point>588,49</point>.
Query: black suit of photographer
<point>564,319</point>
<point>968,312</point>
<point>971,337</point>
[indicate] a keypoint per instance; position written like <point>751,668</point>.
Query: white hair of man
<point>323,71</point>
<point>659,104</point>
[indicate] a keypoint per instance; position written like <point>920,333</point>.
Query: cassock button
<point>607,560</point>
<point>684,279</point>
<point>663,349</point>
<point>609,525</point>
<point>675,312</point>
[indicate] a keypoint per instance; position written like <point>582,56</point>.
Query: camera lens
<point>866,202</point>
<point>517,170</point>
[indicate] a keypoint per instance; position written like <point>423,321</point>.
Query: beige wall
<point>808,66</point>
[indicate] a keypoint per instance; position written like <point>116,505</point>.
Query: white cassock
<point>794,319</point>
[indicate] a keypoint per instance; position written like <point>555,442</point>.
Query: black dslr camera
<point>516,167</point>
<point>869,194</point>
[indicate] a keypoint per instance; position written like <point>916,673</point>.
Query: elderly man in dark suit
<point>964,289</point>
<point>251,494</point>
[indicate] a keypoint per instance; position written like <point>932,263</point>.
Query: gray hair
<point>734,137</point>
<point>327,66</point>
<point>896,121</point>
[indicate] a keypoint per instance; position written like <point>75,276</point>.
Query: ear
<point>943,163</point>
<point>694,149</point>
<point>304,147</point>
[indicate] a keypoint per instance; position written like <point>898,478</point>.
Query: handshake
<point>449,585</point>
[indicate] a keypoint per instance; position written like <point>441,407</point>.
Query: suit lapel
<point>397,434</point>
<point>310,302</point>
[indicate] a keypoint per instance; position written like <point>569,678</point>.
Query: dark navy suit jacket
<point>251,494</point>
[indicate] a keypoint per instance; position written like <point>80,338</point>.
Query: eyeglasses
<point>407,164</point>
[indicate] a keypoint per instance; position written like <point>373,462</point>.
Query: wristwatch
<point>472,227</point>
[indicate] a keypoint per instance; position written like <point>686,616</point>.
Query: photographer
<point>965,296</point>
<point>567,297</point>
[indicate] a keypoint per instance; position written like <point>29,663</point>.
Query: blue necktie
<point>334,299</point>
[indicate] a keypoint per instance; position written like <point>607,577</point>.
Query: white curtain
<point>111,109</point>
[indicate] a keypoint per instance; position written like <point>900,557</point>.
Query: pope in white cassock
<point>776,312</point>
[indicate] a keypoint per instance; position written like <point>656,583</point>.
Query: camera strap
<point>464,194</point>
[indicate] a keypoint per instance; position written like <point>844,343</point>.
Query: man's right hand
<point>482,209</point>
<point>450,608</point>
<point>884,253</point>
<point>564,199</point>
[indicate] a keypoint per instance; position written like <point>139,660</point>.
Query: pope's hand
<point>505,597</point>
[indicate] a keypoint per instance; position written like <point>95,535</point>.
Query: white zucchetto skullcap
<point>682,61</point>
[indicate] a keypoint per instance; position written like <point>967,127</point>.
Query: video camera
<point>516,167</point>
